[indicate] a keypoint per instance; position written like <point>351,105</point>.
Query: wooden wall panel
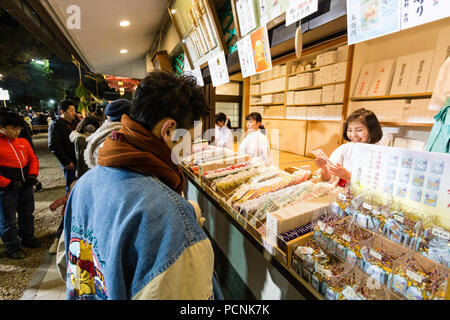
<point>291,134</point>
<point>324,135</point>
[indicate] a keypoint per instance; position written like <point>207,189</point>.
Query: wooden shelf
<point>259,81</point>
<point>316,86</point>
<point>396,96</point>
<point>311,120</point>
<point>266,93</point>
<point>304,71</point>
<point>267,104</point>
<point>312,104</point>
<point>409,124</point>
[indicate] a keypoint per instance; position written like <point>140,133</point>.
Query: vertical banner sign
<point>254,52</point>
<point>299,9</point>
<point>197,72</point>
<point>261,49</point>
<point>4,94</point>
<point>417,178</point>
<point>246,16</point>
<point>368,19</point>
<point>218,69</point>
<point>417,12</point>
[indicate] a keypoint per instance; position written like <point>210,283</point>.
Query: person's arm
<point>55,144</point>
<point>4,182</point>
<point>33,161</point>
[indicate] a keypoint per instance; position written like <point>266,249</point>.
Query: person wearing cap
<point>113,113</point>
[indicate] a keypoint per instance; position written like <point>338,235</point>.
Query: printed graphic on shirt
<point>84,270</point>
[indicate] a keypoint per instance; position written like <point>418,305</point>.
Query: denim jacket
<point>129,236</point>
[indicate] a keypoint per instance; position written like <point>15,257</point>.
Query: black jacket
<point>59,142</point>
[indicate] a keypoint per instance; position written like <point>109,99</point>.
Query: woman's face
<point>253,125</point>
<point>220,123</point>
<point>357,132</point>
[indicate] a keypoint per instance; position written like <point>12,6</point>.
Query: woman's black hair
<point>370,120</point>
<point>257,117</point>
<point>9,118</point>
<point>222,117</point>
<point>163,94</point>
<point>81,127</point>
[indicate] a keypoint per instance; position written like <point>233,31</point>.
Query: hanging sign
<point>299,9</point>
<point>254,52</point>
<point>368,19</point>
<point>197,72</point>
<point>417,12</point>
<point>218,69</point>
<point>246,15</point>
<point>4,94</point>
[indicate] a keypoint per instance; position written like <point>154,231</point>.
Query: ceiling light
<point>123,51</point>
<point>173,11</point>
<point>124,23</point>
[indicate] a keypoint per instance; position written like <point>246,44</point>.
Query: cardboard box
<point>364,80</point>
<point>402,75</point>
<point>338,95</point>
<point>317,78</point>
<point>342,53</point>
<point>327,74</point>
<point>339,71</point>
<point>381,81</point>
<point>420,72</point>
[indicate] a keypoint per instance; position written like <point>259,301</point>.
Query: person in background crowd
<point>19,168</point>
<point>147,239</point>
<point>255,142</point>
<point>85,128</point>
<point>113,113</point>
<point>28,134</point>
<point>223,134</point>
<point>64,150</point>
<point>361,126</point>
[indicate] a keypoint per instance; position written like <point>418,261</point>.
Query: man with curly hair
<point>127,216</point>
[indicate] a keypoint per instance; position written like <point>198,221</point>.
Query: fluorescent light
<point>124,23</point>
<point>123,51</point>
<point>173,11</point>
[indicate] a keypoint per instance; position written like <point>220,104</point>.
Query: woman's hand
<point>320,162</point>
<point>339,171</point>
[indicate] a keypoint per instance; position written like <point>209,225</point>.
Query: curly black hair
<point>163,94</point>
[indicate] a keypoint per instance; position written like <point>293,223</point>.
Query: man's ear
<point>167,129</point>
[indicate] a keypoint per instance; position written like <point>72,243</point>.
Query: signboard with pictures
<point>197,24</point>
<point>218,69</point>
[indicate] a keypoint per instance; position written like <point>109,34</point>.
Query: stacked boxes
<point>385,110</point>
<point>339,71</point>
<point>296,113</point>
<point>273,85</point>
<point>274,112</point>
<point>327,112</point>
<point>327,74</point>
<point>300,80</point>
<point>326,58</point>
<point>308,96</point>
<point>258,109</point>
<point>317,79</point>
<point>255,89</point>
<point>338,95</point>
<point>341,53</point>
<point>328,94</point>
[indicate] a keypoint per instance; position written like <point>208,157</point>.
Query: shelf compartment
<point>396,96</point>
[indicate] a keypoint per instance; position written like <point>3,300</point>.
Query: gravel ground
<point>15,275</point>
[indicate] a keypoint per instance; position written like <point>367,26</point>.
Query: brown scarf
<point>140,150</point>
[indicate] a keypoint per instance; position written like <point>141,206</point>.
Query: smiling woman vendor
<point>361,126</point>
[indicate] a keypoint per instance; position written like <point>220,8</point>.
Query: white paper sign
<point>299,9</point>
<point>441,233</point>
<point>413,275</point>
<point>218,69</point>
<point>375,254</point>
<point>246,60</point>
<point>415,13</point>
<point>246,15</point>
<point>4,94</point>
<point>197,72</point>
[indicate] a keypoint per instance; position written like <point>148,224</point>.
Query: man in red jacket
<point>19,168</point>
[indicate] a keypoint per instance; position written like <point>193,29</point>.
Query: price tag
<point>241,192</point>
<point>413,275</point>
<point>346,237</point>
<point>375,254</point>
<point>342,197</point>
<point>441,233</point>
<point>367,206</point>
<point>329,230</point>
<point>399,218</point>
<point>321,225</point>
<point>267,246</point>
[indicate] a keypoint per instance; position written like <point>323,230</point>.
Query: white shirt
<point>442,87</point>
<point>256,144</point>
<point>343,155</point>
<point>223,137</point>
